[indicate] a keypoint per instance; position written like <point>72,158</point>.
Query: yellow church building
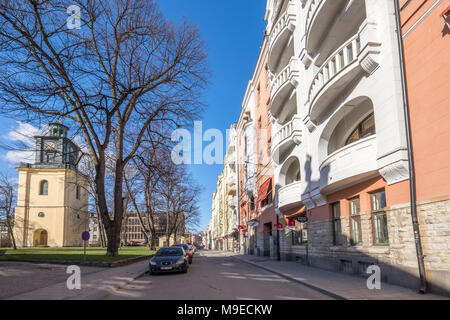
<point>52,200</point>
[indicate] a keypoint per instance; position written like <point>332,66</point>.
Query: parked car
<point>187,249</point>
<point>173,259</point>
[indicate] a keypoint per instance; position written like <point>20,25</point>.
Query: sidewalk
<point>93,286</point>
<point>337,285</point>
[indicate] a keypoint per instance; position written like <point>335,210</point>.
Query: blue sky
<point>233,33</point>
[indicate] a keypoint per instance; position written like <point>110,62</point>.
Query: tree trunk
<point>114,242</point>
<point>112,248</point>
<point>153,241</point>
<point>10,231</point>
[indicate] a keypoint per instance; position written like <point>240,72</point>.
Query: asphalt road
<point>215,276</point>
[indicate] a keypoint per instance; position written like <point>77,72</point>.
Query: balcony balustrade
<point>286,137</point>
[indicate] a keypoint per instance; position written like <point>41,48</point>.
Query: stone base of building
<point>397,261</point>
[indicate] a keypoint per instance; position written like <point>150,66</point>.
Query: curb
<point>103,264</point>
<point>318,289</point>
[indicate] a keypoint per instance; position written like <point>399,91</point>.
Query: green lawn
<point>72,254</point>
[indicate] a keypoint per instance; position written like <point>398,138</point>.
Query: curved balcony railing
<point>231,158</point>
<point>349,165</point>
<point>320,22</point>
<point>288,135</point>
<point>333,69</point>
<point>290,196</point>
<point>283,84</point>
<point>231,180</point>
<point>279,35</point>
<point>232,201</point>
<point>313,7</point>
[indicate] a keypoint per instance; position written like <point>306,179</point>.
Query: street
<point>216,276</point>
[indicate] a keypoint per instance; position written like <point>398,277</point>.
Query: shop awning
<point>264,190</point>
<point>446,12</point>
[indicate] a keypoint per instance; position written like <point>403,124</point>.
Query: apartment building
<point>225,220</point>
<point>426,39</point>
<point>339,138</point>
<point>336,193</point>
<point>247,169</point>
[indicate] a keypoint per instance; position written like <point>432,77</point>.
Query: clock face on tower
<point>50,151</point>
<point>50,146</point>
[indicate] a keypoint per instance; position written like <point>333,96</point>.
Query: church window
<point>43,188</point>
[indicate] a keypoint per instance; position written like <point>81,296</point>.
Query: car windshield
<point>185,246</point>
<point>169,252</point>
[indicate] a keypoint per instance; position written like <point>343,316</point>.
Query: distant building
<point>94,230</point>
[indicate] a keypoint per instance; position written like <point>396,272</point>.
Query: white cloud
<point>21,143</point>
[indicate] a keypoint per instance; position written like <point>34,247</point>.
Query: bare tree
<point>7,200</point>
<point>125,68</point>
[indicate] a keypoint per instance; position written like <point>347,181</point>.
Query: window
<point>337,231</point>
<point>355,219</point>
<point>268,199</point>
<point>300,237</point>
<point>378,201</point>
<point>78,192</point>
<point>43,188</point>
<point>252,203</point>
<point>365,129</point>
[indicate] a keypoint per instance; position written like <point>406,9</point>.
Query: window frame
<point>359,129</point>
<point>376,212</point>
<point>41,188</point>
<point>334,220</point>
<point>353,216</point>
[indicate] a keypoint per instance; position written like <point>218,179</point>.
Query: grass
<point>72,254</point>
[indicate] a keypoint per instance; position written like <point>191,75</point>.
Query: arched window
<point>365,129</point>
<point>43,188</point>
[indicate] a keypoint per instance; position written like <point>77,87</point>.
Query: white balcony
<point>231,158</point>
<point>349,165</point>
<point>285,138</point>
<point>280,35</point>
<point>357,55</point>
<point>232,201</point>
<point>290,196</point>
<point>283,88</point>
<point>231,181</point>
<point>329,23</point>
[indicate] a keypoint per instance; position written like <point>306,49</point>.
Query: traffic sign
<point>85,236</point>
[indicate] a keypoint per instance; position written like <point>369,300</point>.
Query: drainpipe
<point>412,176</point>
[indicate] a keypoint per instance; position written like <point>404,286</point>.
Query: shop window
<point>380,229</point>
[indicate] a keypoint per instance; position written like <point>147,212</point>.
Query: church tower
<point>52,200</point>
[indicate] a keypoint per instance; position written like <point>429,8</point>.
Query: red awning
<point>446,12</point>
<point>264,190</point>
